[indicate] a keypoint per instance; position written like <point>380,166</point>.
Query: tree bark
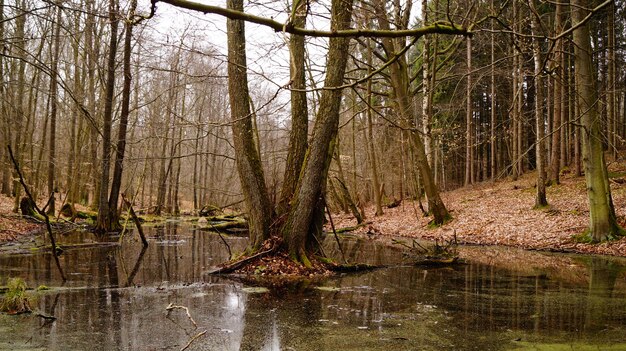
<point>400,84</point>
<point>116,182</point>
<point>247,157</point>
<point>540,199</point>
<point>557,124</point>
<point>469,135</point>
<point>492,138</point>
<point>104,223</point>
<point>603,223</point>
<point>315,169</point>
<point>426,89</point>
<point>370,135</point>
<point>298,135</point>
<point>53,111</point>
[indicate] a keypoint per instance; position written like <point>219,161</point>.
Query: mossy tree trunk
<point>299,112</point>
<point>315,169</point>
<point>603,223</point>
<point>248,159</point>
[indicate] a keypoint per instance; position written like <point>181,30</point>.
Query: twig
<point>171,306</point>
<point>236,265</point>
<point>332,225</point>
<point>136,220</point>
<point>40,211</point>
<point>192,340</point>
<point>45,316</point>
<point>230,253</point>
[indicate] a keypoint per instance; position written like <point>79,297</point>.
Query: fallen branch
<point>230,253</point>
<point>192,340</point>
<point>136,220</point>
<point>350,229</point>
<point>45,316</point>
<point>40,211</point>
<point>238,264</point>
<point>332,225</point>
<point>171,307</point>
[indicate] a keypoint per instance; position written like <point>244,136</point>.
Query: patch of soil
<point>502,213</point>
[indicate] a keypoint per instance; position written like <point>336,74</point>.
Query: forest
<point>281,110</point>
<point>313,175</point>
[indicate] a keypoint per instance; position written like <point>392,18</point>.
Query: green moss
<point>585,237</point>
<point>616,174</point>
<point>42,288</point>
<point>433,225</point>
<point>566,347</point>
<point>15,299</point>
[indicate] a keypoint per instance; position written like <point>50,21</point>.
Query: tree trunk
<point>296,231</point>
<point>116,182</point>
<point>469,144</point>
<point>370,135</point>
<point>53,111</point>
<point>426,89</point>
<point>104,219</point>
<point>400,84</point>
<point>557,120</point>
<point>492,138</point>
<point>299,112</point>
<point>540,199</point>
<point>248,159</point>
<point>603,224</point>
<point>92,58</point>
<point>611,77</point>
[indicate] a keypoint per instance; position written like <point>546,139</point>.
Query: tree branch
<point>437,27</point>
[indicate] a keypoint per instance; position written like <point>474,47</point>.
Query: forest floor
<point>501,213</point>
<point>12,225</point>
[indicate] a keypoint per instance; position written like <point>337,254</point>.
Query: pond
<point>503,299</point>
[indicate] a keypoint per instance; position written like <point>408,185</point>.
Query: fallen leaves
<point>13,226</point>
<point>502,213</point>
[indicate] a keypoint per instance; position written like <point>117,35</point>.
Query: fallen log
<point>225,225</point>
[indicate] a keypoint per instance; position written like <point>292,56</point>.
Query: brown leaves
<point>12,226</point>
<point>501,214</point>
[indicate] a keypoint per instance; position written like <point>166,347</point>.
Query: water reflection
<point>117,295</point>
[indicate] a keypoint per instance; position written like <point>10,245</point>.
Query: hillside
<point>501,213</point>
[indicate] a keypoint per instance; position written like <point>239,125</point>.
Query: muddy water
<point>503,299</point>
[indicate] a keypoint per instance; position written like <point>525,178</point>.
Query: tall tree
<point>248,159</point>
<point>105,223</point>
<point>558,74</point>
<point>400,83</point>
<point>540,199</point>
<point>297,229</point>
<point>469,119</point>
<point>427,73</point>
<point>298,135</point>
<point>118,169</point>
<point>603,222</point>
<point>54,101</point>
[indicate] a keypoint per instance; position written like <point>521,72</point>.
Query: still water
<point>502,299</point>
